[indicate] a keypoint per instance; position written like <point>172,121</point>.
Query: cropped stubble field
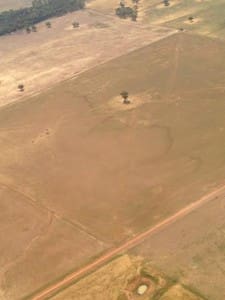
<point>42,59</point>
<point>208,14</point>
<point>191,250</point>
<point>118,280</point>
<point>91,172</point>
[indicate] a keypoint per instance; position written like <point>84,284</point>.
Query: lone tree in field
<point>21,87</point>
<point>191,19</point>
<point>48,24</point>
<point>76,24</point>
<point>124,11</point>
<point>124,95</point>
<point>166,2</point>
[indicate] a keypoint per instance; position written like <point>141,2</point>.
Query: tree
<point>124,12</point>
<point>191,19</point>
<point>21,87</point>
<point>39,11</point>
<point>76,24</point>
<point>48,24</point>
<point>28,30</point>
<point>166,2</point>
<point>124,95</point>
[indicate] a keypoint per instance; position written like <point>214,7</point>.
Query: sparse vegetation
<point>40,10</point>
<point>76,24</point>
<point>154,145</point>
<point>125,95</point>
<point>125,12</point>
<point>48,24</point>
<point>166,2</point>
<point>21,87</point>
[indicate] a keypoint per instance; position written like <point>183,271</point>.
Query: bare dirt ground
<point>31,233</point>
<point>192,250</point>
<point>107,173</point>
<point>39,60</point>
<point>107,257</point>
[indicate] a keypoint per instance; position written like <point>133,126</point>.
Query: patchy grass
<point>209,13</point>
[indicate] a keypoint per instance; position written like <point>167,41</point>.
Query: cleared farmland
<point>91,172</point>
<point>49,56</point>
<point>120,279</point>
<point>208,15</point>
<point>191,250</point>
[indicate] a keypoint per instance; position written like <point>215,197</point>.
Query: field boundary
<point>32,95</point>
<point>138,239</point>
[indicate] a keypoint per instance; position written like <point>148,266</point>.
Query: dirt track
<point>129,244</point>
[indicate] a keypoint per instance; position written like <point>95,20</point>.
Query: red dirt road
<point>128,245</point>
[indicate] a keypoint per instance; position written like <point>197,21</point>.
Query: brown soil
<point>192,250</point>
<point>106,174</point>
<point>51,55</point>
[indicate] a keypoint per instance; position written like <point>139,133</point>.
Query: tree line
<point>40,10</point>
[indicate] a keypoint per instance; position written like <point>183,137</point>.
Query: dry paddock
<point>40,60</point>
<point>80,172</point>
